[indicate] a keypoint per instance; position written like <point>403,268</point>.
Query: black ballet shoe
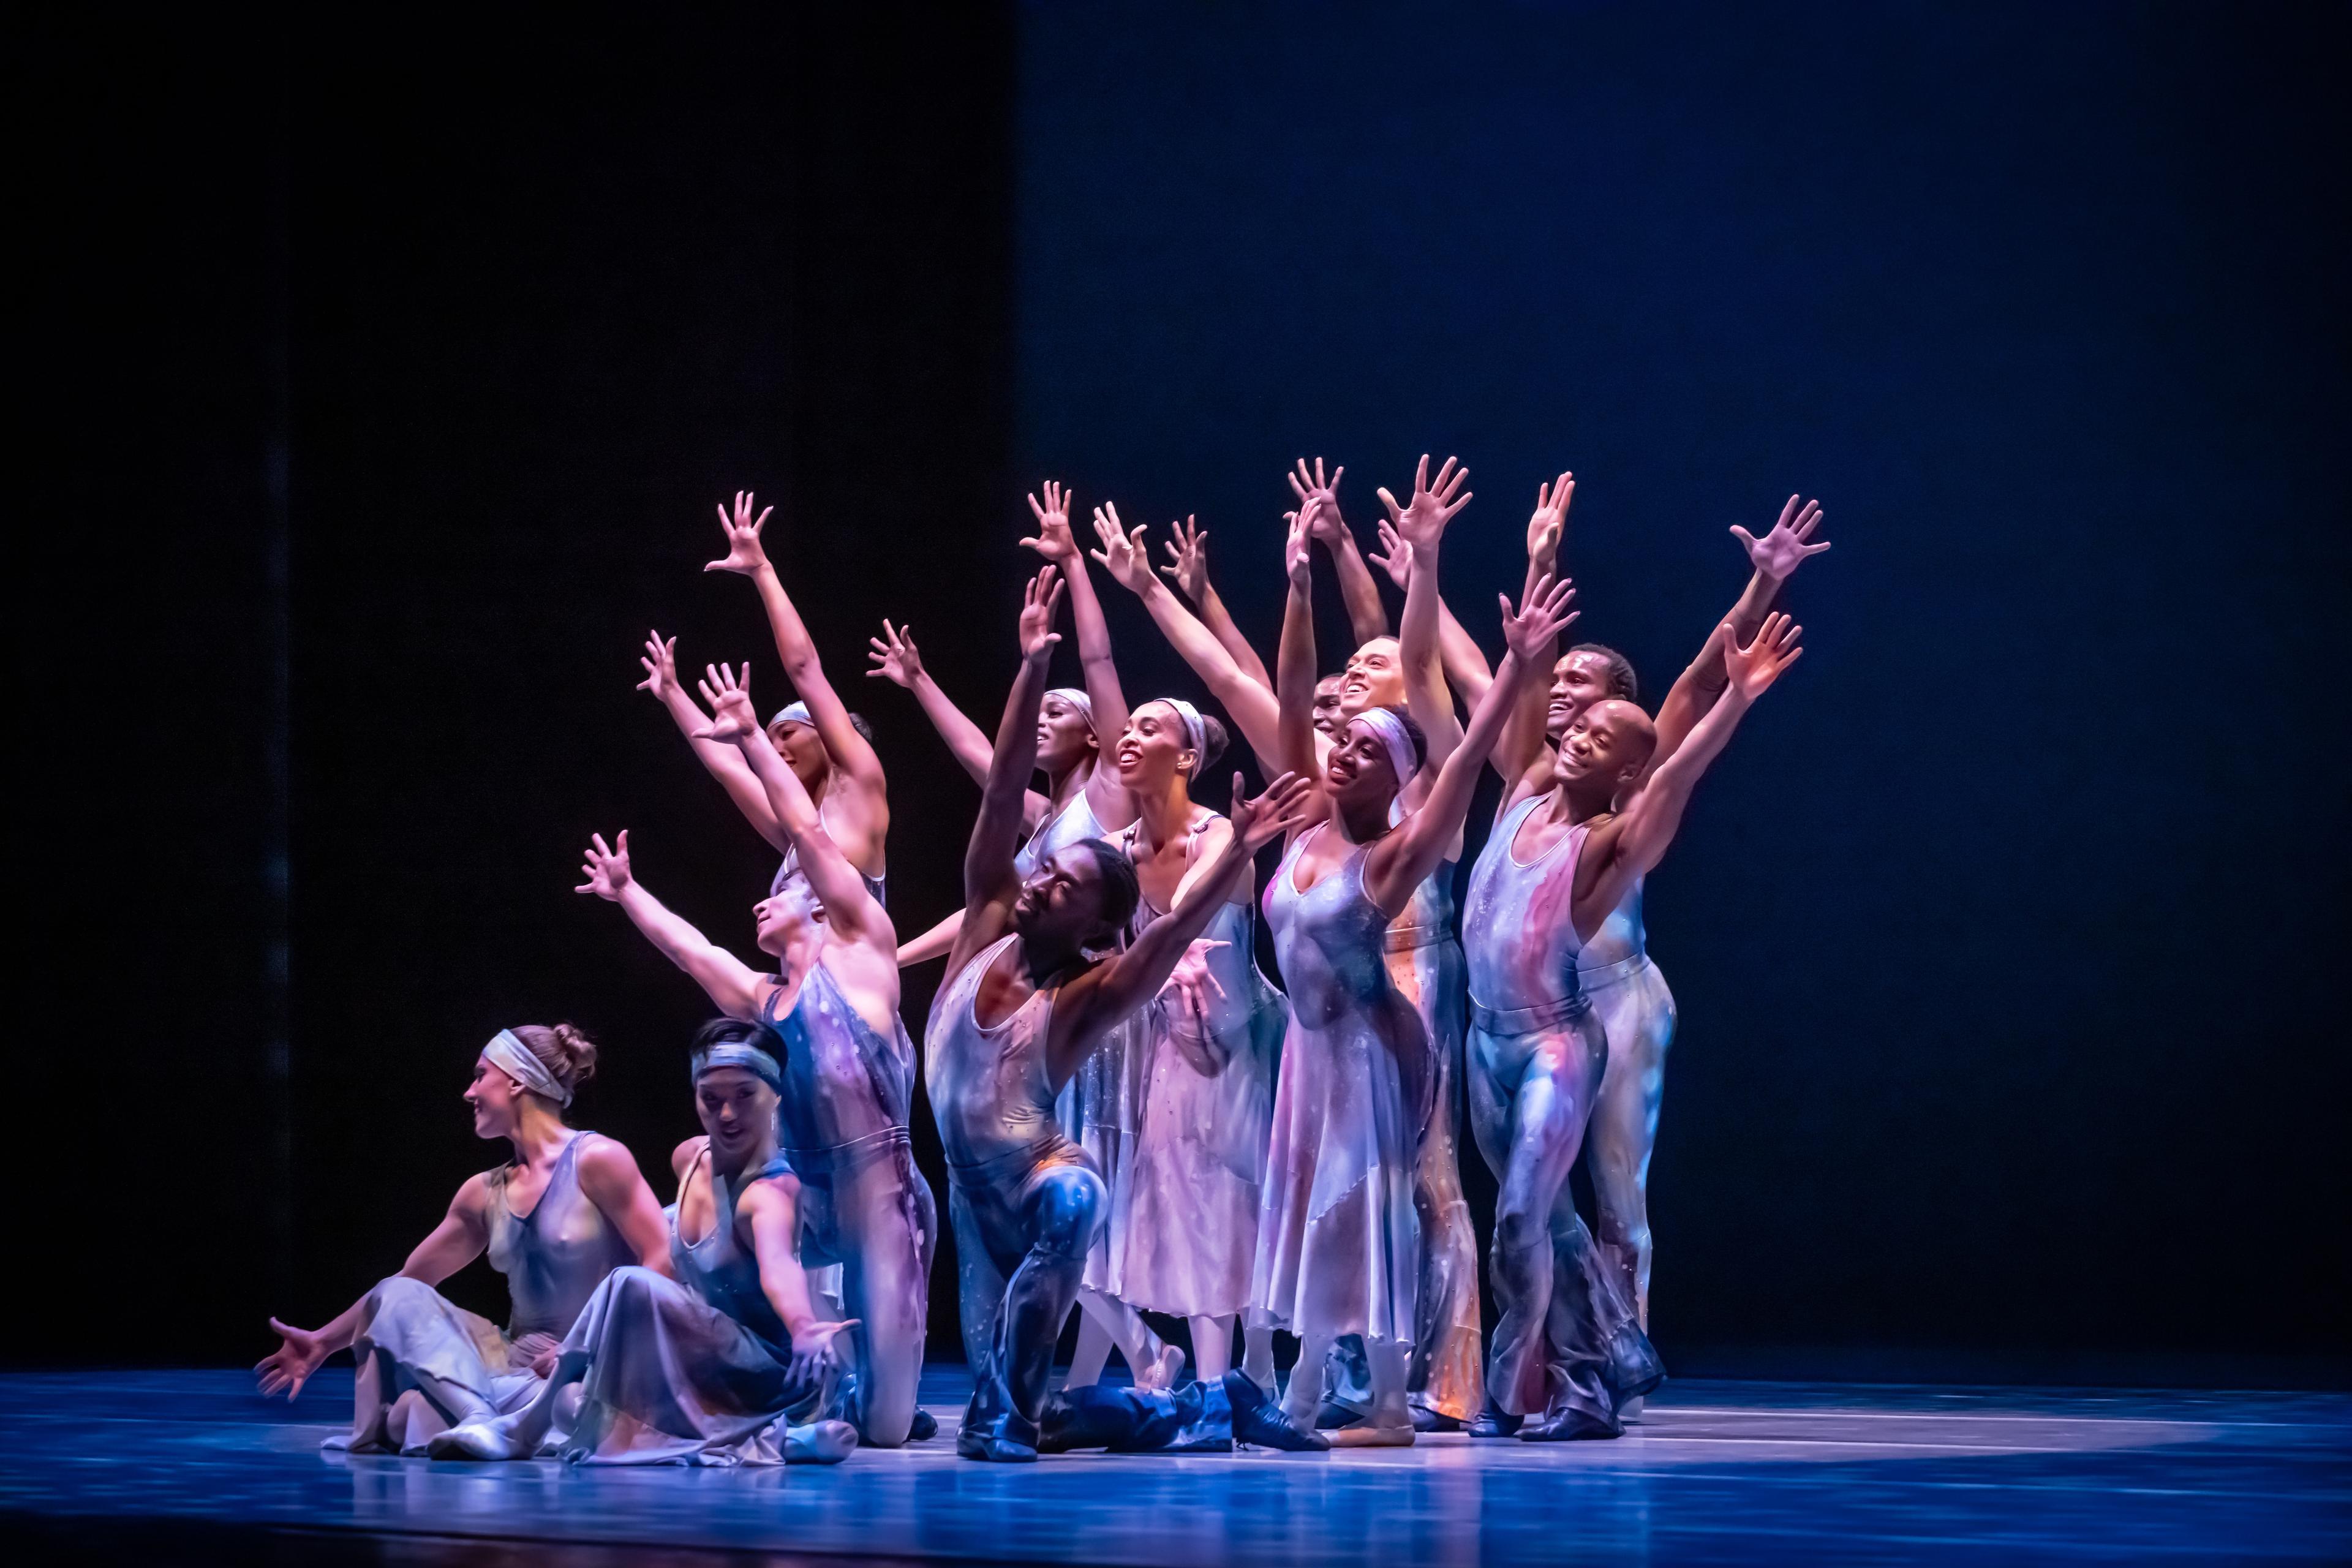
<point>1334,1415</point>
<point>1571,1426</point>
<point>1258,1421</point>
<point>1426,1421</point>
<point>1005,1439</point>
<point>924,1425</point>
<point>1633,1367</point>
<point>1493,1422</point>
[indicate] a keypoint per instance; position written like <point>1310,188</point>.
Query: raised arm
<point>724,763</point>
<point>1522,738</point>
<point>1775,558</point>
<point>849,908</point>
<point>1250,705</point>
<point>1188,568</point>
<point>1090,1006</point>
<point>1465,662</point>
<point>1367,617</point>
<point>1420,526</point>
<point>1054,541</point>
<point>989,882</point>
<point>898,660</point>
<point>1402,858</point>
<point>1294,660</point>
<point>732,985</point>
<point>748,557</point>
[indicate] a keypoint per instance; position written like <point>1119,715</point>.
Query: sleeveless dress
<point>553,1259</point>
<point>1339,1244</point>
<point>789,870</point>
<point>699,1365</point>
<point>1183,1235</point>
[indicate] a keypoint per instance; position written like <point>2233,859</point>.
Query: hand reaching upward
<point>1053,540</point>
<point>607,871</point>
<point>1423,521</point>
<point>1297,548</point>
<point>1122,553</point>
<point>745,553</point>
<point>1779,554</point>
<point>732,716</point>
<point>660,663</point>
<point>895,656</point>
<point>1187,559</point>
<point>1394,557</point>
<point>1039,600</point>
<point>1755,667</point>
<point>1318,501</point>
<point>1550,519</point>
<point>1546,615</point>
<point>1283,806</point>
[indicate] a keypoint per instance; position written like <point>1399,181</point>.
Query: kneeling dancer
<point>1021,1007</point>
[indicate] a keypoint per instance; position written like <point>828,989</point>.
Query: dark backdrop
<point>2002,934</point>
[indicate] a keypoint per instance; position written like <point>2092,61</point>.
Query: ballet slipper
<point>1365,1435</point>
<point>1426,1420</point>
<point>820,1443</point>
<point>1493,1423</point>
<point>472,1441</point>
<point>924,1425</point>
<point>1571,1426</point>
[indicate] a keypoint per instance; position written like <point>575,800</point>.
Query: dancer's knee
<point>1068,1209</point>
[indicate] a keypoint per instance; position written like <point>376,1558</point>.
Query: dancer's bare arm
<point>1465,662</point>
<point>1188,568</point>
<point>1420,524</point>
<point>609,1177</point>
<point>898,660</point>
<point>989,882</point>
<point>1367,617</point>
<point>1105,796</point>
<point>724,763</point>
<point>1293,658</point>
<point>733,986</point>
<point>1521,743</point>
<point>771,1210</point>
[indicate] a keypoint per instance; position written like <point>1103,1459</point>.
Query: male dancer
<point>1021,1007</point>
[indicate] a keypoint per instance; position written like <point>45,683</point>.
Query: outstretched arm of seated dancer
<point>1188,568</point>
<point>1521,743</point>
<point>1776,558</point>
<point>1422,526</point>
<point>1091,1005</point>
<point>1464,661</point>
<point>724,763</point>
<point>1401,859</point>
<point>897,660</point>
<point>732,985</point>
<point>989,882</point>
<point>850,908</point>
<point>1367,617</point>
<point>1294,657</point>
<point>1250,705</point>
<point>1105,796</point>
<point>773,1209</point>
<point>1638,837</point>
<point>457,1241</point>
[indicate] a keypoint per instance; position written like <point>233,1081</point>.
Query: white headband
<point>1196,732</point>
<point>735,1054</point>
<point>517,1060</point>
<point>1403,760</point>
<point>796,714</point>
<point>1077,699</point>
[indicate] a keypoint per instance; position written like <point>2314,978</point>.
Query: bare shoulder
<point>682,1158</point>
<point>606,1162</point>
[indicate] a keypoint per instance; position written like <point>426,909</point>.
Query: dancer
<point>1338,1242</point>
<point>1183,1228</point>
<point>848,1068</point>
<point>708,1367</point>
<point>1026,1200</point>
<point>566,1210</point>
<point>829,748</point>
<point>1560,861</point>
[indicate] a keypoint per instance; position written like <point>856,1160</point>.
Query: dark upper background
<point>2003,935</point>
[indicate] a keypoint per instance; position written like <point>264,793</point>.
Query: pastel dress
<point>690,1370</point>
<point>865,1208</point>
<point>423,1360</point>
<point>1338,1242</point>
<point>1184,1227</point>
<point>1565,1345</point>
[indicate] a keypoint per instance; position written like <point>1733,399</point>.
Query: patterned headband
<point>1384,723</point>
<point>507,1053</point>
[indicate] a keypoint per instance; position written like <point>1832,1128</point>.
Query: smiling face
<point>1578,681</point>
<point>1064,736</point>
<point>1604,751</point>
<point>737,1109</point>
<point>782,916</point>
<point>495,1099</point>
<point>1061,905</point>
<point>802,750</point>
<point>1152,750</point>
<point>1328,717</point>
<point>1358,771</point>
<point>1374,678</point>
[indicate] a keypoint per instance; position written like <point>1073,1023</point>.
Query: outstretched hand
<point>896,658</point>
<point>1053,540</point>
<point>1755,667</point>
<point>1122,553</point>
<point>1394,557</point>
<point>607,870</point>
<point>728,698</point>
<point>745,553</point>
<point>1191,983</point>
<point>1544,613</point>
<point>1283,806</point>
<point>1319,501</point>
<point>1039,600</point>
<point>660,663</point>
<point>1421,521</point>
<point>1297,547</point>
<point>816,1349</point>
<point>1779,554</point>
<point>285,1369</point>
<point>1187,559</point>
<point>1550,519</point>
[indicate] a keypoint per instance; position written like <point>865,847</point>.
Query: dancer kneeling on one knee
<point>1021,1007</point>
<point>556,1219</point>
<point>707,1368</point>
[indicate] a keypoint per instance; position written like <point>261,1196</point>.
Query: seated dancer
<point>1021,1007</point>
<point>829,748</point>
<point>566,1210</point>
<point>1339,1240</point>
<point>1565,1349</point>
<point>708,1367</point>
<point>849,1070</point>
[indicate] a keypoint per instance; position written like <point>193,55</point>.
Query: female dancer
<point>1184,1229</point>
<point>567,1209</point>
<point>1560,861</point>
<point>1338,1242</point>
<point>830,748</point>
<point>848,1069</point>
<point>705,1368</point>
<point>1026,1200</point>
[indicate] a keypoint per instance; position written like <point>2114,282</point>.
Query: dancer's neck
<point>539,1134</point>
<point>1162,815</point>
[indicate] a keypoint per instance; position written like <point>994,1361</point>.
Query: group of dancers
<point>1135,1118</point>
